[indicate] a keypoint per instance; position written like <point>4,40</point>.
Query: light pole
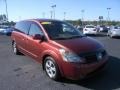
<point>108,9</point>
<point>82,13</point>
<point>6,9</point>
<point>51,14</point>
<point>64,15</point>
<point>43,14</point>
<point>53,7</point>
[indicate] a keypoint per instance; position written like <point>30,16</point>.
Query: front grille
<point>92,57</point>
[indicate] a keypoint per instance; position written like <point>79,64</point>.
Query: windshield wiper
<point>60,38</point>
<point>77,36</point>
<point>65,38</point>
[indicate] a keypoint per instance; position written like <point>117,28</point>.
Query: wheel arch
<point>13,41</point>
<point>55,57</point>
<point>43,60</point>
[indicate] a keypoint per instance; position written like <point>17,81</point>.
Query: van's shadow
<point>116,37</point>
<point>107,80</point>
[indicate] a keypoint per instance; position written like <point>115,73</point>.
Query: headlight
<point>69,56</point>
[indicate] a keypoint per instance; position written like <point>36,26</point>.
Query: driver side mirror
<point>38,37</point>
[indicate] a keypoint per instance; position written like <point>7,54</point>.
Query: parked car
<point>8,31</point>
<point>61,49</point>
<point>90,29</point>
<point>2,30</point>
<point>103,28</point>
<point>79,27</point>
<point>114,31</point>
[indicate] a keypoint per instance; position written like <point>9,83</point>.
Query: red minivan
<point>62,50</point>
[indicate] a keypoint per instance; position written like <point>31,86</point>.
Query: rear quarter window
<point>23,26</point>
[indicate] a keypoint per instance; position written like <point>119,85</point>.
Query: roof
<point>44,20</point>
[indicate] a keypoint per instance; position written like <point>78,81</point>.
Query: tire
<point>108,34</point>
<point>51,69</point>
<point>15,50</point>
<point>111,35</point>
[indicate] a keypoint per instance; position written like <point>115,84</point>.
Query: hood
<point>80,45</point>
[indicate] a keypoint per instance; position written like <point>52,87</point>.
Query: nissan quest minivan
<point>62,50</point>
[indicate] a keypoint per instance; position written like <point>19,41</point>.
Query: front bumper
<point>78,71</point>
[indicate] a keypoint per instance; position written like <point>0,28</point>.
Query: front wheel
<point>51,68</point>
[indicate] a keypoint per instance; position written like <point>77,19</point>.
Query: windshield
<point>90,27</point>
<point>61,30</point>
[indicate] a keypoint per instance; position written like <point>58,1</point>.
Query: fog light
<point>99,56</point>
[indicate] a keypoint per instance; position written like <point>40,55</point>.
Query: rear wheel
<point>15,50</point>
<point>111,35</point>
<point>51,68</point>
<point>107,34</point>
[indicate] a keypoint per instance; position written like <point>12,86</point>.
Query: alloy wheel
<point>50,68</point>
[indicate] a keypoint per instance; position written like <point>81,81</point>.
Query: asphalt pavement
<point>19,72</point>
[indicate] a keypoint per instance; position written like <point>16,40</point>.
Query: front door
<point>34,47</point>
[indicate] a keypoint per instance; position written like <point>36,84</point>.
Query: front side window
<point>61,30</point>
<point>35,29</point>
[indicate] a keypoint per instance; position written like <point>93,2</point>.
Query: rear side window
<point>35,29</point>
<point>23,26</point>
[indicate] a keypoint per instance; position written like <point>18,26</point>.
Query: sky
<point>27,9</point>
